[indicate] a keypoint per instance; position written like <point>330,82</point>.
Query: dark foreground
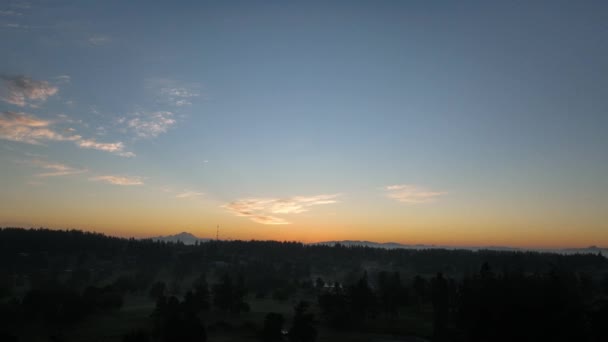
<point>76,286</point>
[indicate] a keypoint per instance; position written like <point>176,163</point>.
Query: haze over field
<point>453,124</point>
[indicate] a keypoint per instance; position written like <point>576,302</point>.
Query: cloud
<point>63,118</point>
<point>34,183</point>
<point>108,147</point>
<point>99,40</point>
<point>10,119</point>
<point>63,79</point>
<point>20,4</point>
<point>18,90</point>
<point>189,194</point>
<point>15,26</point>
<point>173,92</point>
<point>116,147</point>
<point>151,125</point>
<point>26,128</point>
<point>127,154</point>
<point>412,194</point>
<point>179,96</point>
<point>263,210</point>
<point>270,220</point>
<point>10,13</point>
<point>60,170</point>
<point>55,169</point>
<point>119,180</point>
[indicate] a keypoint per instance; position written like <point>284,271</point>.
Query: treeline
<point>53,309</point>
<point>484,306</point>
<point>176,319</point>
<point>54,279</point>
<point>23,250</point>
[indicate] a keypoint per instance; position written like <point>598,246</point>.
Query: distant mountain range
<point>190,239</point>
<point>183,237</point>
<point>393,245</point>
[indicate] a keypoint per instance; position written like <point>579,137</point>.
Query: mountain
<point>190,239</point>
<point>590,249</point>
<point>386,245</point>
<point>183,237</point>
<point>394,245</point>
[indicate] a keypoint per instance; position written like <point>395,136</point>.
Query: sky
<point>433,122</point>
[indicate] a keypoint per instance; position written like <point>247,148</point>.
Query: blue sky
<point>380,120</point>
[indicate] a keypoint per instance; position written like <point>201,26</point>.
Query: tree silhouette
<point>419,285</point>
<point>302,329</point>
<point>158,289</point>
<point>197,299</point>
<point>391,293</point>
<point>175,321</point>
<point>440,308</point>
<point>222,293</point>
<point>136,336</point>
<point>228,296</point>
<point>362,300</point>
<point>319,283</point>
<point>273,327</point>
<point>335,308</point>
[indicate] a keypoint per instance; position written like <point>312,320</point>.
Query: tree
<point>391,292</point>
<point>240,291</point>
<point>362,299</point>
<point>222,293</point>
<point>136,336</point>
<point>175,321</point>
<point>158,289</point>
<point>302,329</point>
<point>273,327</point>
<point>184,327</point>
<point>440,307</point>
<point>419,286</point>
<point>201,294</point>
<point>229,296</point>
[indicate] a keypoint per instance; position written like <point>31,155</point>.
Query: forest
<point>70,285</point>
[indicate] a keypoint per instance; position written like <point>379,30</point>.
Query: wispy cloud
<point>180,96</point>
<point>99,40</point>
<point>263,210</point>
<point>15,26</point>
<point>412,194</point>
<point>22,127</point>
<point>189,194</point>
<point>10,119</point>
<point>26,128</point>
<point>119,180</point>
<point>19,89</point>
<point>63,79</point>
<point>20,4</point>
<point>116,147</point>
<point>270,220</point>
<point>150,125</point>
<point>173,92</point>
<point>10,13</point>
<point>54,169</point>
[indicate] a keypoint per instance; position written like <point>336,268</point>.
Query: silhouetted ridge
<point>396,245</point>
<point>183,237</point>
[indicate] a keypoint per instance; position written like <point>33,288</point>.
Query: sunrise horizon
<point>209,234</point>
<point>303,171</point>
<point>460,125</point>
